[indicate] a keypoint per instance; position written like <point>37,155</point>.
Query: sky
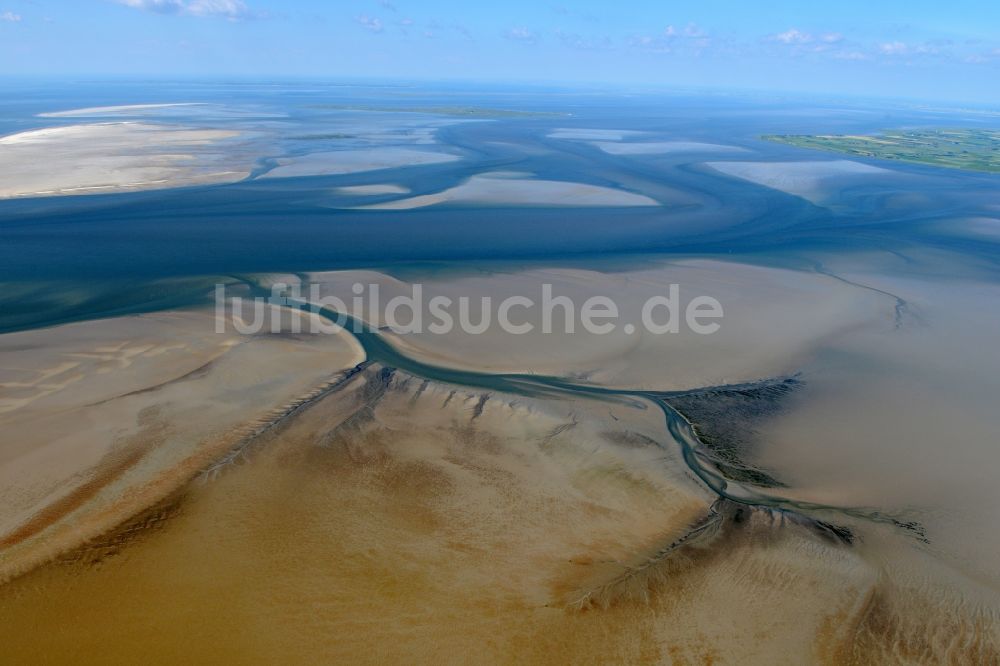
<point>919,49</point>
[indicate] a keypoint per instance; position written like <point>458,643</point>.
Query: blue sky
<point>921,49</point>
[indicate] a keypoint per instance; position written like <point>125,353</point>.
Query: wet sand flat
<point>101,419</point>
<point>813,483</point>
<point>662,147</point>
<point>396,517</point>
<point>108,157</point>
<point>514,189</point>
<point>355,161</point>
<point>395,520</point>
<point>773,321</point>
<point>812,180</point>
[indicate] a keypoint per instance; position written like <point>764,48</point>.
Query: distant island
<point>971,149</point>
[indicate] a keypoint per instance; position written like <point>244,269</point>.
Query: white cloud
<point>386,4</point>
<point>938,49</point>
<point>584,43</point>
<point>894,48</point>
<point>694,32</point>
<point>690,31</point>
<point>691,39</point>
<point>370,23</point>
<point>521,34</point>
<point>928,49</point>
<point>801,42</point>
<point>649,44</point>
<point>980,58</point>
<point>158,6</point>
<point>233,10</point>
<point>10,17</point>
<point>793,36</point>
<point>850,55</point>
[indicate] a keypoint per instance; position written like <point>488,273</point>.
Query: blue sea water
<point>71,257</point>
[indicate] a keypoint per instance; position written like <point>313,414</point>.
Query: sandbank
<point>774,320</point>
<point>662,147</point>
<point>514,190</point>
<point>592,134</point>
<point>401,520</point>
<point>110,157</point>
<point>122,109</point>
<point>812,180</point>
<point>330,163</point>
<point>372,190</point>
<point>101,419</point>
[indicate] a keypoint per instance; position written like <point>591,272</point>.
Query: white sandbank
<point>812,180</point>
<point>662,147</point>
<point>513,190</point>
<point>372,190</point>
<point>592,134</point>
<point>109,157</point>
<point>123,109</point>
<point>336,162</point>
